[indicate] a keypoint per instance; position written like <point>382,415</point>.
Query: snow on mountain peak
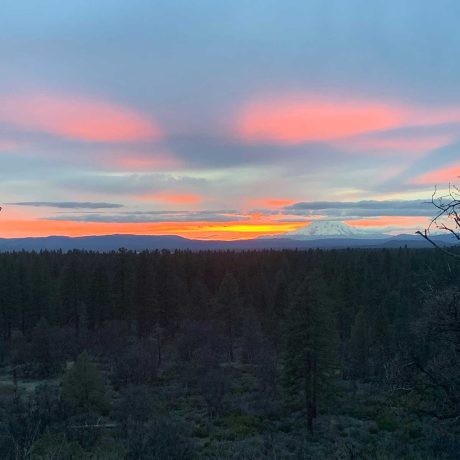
<point>329,229</point>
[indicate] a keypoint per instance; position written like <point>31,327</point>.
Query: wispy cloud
<point>133,184</point>
<point>153,216</point>
<point>68,204</point>
<point>348,210</point>
<point>172,198</point>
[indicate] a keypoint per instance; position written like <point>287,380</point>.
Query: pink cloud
<point>310,118</point>
<point>439,176</point>
<point>76,117</point>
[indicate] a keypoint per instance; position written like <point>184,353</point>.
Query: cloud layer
<point>68,204</point>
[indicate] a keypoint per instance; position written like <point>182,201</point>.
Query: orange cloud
<point>184,198</point>
<point>77,117</point>
<point>309,119</point>
<point>439,176</point>
<point>275,202</point>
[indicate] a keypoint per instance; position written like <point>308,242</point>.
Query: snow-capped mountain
<point>330,229</point>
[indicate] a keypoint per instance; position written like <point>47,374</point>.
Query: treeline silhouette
<point>229,354</point>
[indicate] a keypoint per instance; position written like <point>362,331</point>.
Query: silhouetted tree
<point>228,314</point>
<point>447,217</point>
<point>83,388</point>
<point>310,338</point>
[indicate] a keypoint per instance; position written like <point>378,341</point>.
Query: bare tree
<point>435,371</point>
<point>447,217</point>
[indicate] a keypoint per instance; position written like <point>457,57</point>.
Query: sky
<point>220,119</point>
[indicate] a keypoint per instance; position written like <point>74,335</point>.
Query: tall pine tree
<point>309,356</point>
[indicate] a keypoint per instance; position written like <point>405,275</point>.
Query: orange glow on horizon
<point>23,228</point>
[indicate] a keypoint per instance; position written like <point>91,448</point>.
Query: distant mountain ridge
<point>106,243</point>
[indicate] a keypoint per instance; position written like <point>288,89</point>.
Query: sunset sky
<point>225,119</point>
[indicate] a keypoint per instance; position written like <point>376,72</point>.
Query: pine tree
<point>6,295</point>
<point>359,345</point>
<point>44,353</point>
<point>99,299</point>
<point>71,294</point>
<point>309,344</point>
<point>83,388</point>
<point>228,305</point>
<point>23,294</point>
<point>123,285</point>
<point>145,296</point>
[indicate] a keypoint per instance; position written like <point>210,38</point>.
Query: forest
<point>340,354</point>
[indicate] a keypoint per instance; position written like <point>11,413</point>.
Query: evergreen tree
<point>99,299</point>
<point>309,344</point>
<point>83,388</point>
<point>146,301</point>
<point>44,353</point>
<point>228,305</point>
<point>23,294</point>
<point>359,345</point>
<point>71,294</point>
<point>123,285</point>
